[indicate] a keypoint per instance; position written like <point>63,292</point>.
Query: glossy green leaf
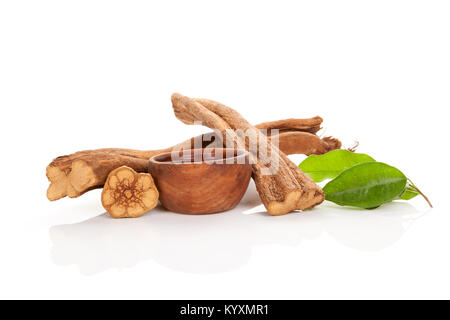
<point>331,164</point>
<point>409,193</point>
<point>366,185</point>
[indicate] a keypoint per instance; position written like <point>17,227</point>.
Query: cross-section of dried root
<point>128,194</point>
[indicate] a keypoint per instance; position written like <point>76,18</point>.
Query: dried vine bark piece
<point>282,191</point>
<point>78,174</point>
<point>75,174</point>
<point>306,143</point>
<point>90,172</point>
<point>311,125</point>
<point>128,194</point>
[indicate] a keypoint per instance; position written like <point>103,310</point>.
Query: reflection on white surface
<point>219,242</point>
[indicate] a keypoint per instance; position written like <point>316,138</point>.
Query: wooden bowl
<point>201,181</point>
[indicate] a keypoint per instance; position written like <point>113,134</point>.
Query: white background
<point>79,75</point>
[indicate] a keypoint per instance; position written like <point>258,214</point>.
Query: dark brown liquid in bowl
<point>201,181</point>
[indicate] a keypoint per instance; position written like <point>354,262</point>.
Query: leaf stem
<point>420,192</point>
<point>354,147</point>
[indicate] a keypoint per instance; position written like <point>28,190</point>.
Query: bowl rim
<point>239,153</point>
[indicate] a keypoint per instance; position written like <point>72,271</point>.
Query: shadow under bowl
<point>201,181</point>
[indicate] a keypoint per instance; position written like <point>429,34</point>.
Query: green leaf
<point>331,164</point>
<point>409,193</point>
<point>366,185</point>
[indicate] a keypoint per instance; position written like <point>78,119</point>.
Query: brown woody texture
<point>74,174</point>
<point>128,194</point>
<point>286,188</point>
